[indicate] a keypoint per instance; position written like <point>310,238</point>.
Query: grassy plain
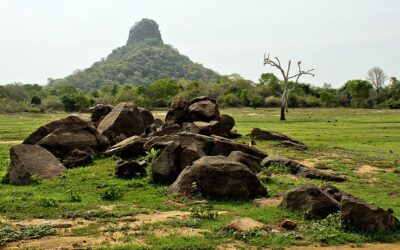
<point>364,145</point>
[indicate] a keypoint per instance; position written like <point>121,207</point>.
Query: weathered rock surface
<point>293,145</point>
<point>210,145</point>
<point>243,224</point>
<point>219,178</point>
<point>200,116</point>
<point>190,127</point>
<point>178,113</point>
<point>173,129</point>
<point>227,122</point>
<point>65,135</point>
<point>125,121</point>
<point>253,163</point>
<point>158,123</point>
<point>131,169</point>
<point>32,160</point>
<point>296,168</point>
<point>167,166</point>
<point>366,217</point>
<point>77,158</point>
<point>99,112</point>
<point>189,154</point>
<point>262,134</point>
<point>203,108</point>
<point>129,148</point>
<point>310,200</point>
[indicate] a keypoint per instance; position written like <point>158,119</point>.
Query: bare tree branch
<point>286,90</point>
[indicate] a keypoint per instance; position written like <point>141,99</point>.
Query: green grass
<point>342,139</point>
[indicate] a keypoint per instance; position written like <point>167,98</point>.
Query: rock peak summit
<point>145,31</point>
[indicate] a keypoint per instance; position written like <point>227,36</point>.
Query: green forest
<point>229,91</point>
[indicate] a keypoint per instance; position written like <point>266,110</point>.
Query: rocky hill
<point>144,59</point>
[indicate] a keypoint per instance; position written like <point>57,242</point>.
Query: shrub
<point>231,100</point>
<point>272,102</point>
<point>112,193</point>
<point>9,234</point>
<point>52,103</point>
<point>74,196</point>
<point>48,202</point>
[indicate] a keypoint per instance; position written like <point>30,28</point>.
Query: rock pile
<point>318,202</point>
<point>195,157</point>
<point>192,143</point>
<point>200,116</point>
<point>124,121</point>
<point>71,139</point>
<point>296,168</point>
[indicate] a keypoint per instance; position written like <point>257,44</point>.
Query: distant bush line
<point>229,91</point>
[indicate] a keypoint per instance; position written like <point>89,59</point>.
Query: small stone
<point>243,225</point>
<point>288,224</point>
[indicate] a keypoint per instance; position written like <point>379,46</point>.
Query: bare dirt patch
<point>57,242</point>
<point>61,241</point>
<point>366,170</point>
<point>379,246</point>
<point>185,231</point>
<point>55,223</point>
<point>267,202</point>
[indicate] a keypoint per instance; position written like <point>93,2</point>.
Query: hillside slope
<point>144,59</point>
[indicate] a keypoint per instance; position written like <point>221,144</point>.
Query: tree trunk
<point>283,117</point>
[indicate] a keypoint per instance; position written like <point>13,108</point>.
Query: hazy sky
<point>341,39</point>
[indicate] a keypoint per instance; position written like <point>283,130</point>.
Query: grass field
<point>364,145</point>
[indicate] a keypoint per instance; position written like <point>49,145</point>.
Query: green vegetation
<point>340,139</point>
<point>8,233</point>
<point>229,91</point>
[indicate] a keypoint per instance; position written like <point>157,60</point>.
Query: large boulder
<point>253,163</point>
<point>99,112</point>
<point>77,158</point>
<point>227,122</point>
<point>189,154</point>
<point>125,121</point>
<point>65,135</point>
<point>296,168</point>
<point>166,167</point>
<point>173,129</point>
<point>203,108</point>
<point>219,178</point>
<point>310,200</point>
<point>130,169</point>
<point>262,134</point>
<point>146,116</point>
<point>178,112</point>
<point>366,217</point>
<point>129,148</point>
<point>28,161</point>
<point>210,145</point>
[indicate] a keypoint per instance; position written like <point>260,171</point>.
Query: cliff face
<point>144,31</point>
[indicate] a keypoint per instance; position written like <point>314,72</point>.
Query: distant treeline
<point>229,91</point>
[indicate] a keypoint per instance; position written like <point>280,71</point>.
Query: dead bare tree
<point>286,77</point>
<point>377,77</point>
